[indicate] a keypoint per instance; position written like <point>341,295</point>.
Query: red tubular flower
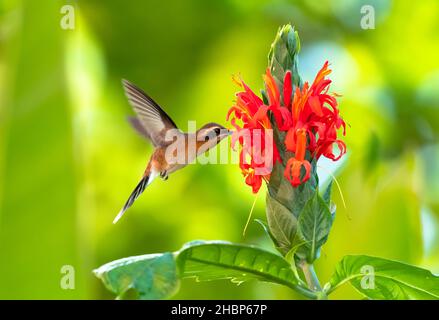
<point>287,89</point>
<point>295,164</point>
<point>251,178</point>
<point>251,134</point>
<point>281,113</point>
<point>310,118</point>
<point>315,121</point>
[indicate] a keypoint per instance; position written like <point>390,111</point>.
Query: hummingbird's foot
<point>164,175</point>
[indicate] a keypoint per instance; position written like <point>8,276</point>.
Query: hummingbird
<point>155,125</point>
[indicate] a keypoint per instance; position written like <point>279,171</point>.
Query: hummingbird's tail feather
<point>146,180</point>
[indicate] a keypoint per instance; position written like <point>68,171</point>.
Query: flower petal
<point>287,89</point>
<point>272,89</point>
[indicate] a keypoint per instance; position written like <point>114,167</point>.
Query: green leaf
<point>284,205</point>
<point>313,227</point>
<point>327,194</point>
<point>151,276</point>
<point>267,231</point>
<point>327,198</point>
<point>294,199</point>
<point>379,278</point>
<point>276,176</point>
<point>279,138</point>
<point>282,224</point>
<point>215,260</point>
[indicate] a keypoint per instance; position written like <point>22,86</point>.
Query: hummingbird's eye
<point>217,131</point>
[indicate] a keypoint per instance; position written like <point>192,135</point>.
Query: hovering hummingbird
<point>154,124</point>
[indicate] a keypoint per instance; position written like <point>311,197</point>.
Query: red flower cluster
<point>310,117</point>
<point>252,135</point>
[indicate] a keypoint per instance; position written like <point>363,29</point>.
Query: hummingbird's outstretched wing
<point>152,118</point>
<point>138,126</point>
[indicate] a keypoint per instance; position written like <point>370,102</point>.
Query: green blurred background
<point>69,159</point>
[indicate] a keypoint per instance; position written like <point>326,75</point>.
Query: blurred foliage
<point>68,158</point>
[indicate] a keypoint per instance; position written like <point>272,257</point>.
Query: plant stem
<point>301,287</point>
<point>310,276</point>
<point>306,292</point>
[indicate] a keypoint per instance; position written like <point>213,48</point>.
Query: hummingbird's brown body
<point>158,162</point>
<point>174,149</point>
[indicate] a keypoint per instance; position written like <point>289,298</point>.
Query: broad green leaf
<point>379,278</point>
<point>151,276</point>
<point>214,260</point>
<point>313,228</point>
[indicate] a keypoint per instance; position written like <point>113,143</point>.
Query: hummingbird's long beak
<point>224,134</point>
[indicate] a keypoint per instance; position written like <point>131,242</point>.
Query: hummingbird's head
<point>211,134</point>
